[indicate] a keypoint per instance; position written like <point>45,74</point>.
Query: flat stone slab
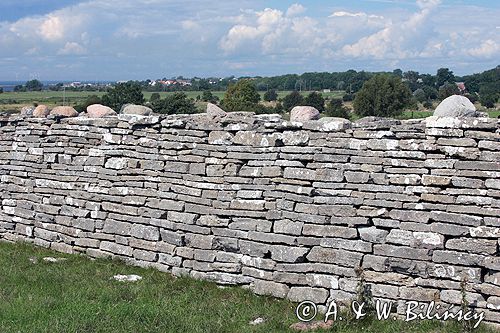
<point>127,278</point>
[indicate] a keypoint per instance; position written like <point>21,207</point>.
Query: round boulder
<point>64,111</point>
<point>41,111</point>
<point>304,113</point>
<point>99,111</point>
<point>137,109</point>
<point>456,106</point>
<point>27,110</point>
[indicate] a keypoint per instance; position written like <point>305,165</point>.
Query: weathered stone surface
<point>288,254</point>
<point>41,111</point>
<point>261,287</point>
<point>140,110</point>
<point>64,111</point>
<point>98,111</point>
<point>288,209</point>
<point>215,111</point>
<point>27,110</point>
<point>456,106</point>
<point>304,113</point>
<point>316,295</point>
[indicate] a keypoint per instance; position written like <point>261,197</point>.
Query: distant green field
<point>13,101</point>
<point>39,96</point>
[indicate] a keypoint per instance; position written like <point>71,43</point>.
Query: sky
<point>139,39</point>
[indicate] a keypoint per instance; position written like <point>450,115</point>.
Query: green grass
<point>78,295</point>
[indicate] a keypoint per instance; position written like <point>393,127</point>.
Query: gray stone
<point>304,113</point>
<point>215,111</point>
<point>373,234</point>
<point>140,110</point>
<point>288,254</point>
<point>456,106</point>
<point>261,287</point>
<point>316,295</point>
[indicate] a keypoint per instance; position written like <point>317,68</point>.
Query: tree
<point>270,95</point>
<point>176,103</point>
<point>382,95</point>
<point>488,95</point>
<point>1,90</point>
<point>444,75</point>
<point>209,97</point>
<point>447,90</point>
<point>398,72</point>
<point>154,97</point>
<point>430,92</point>
<point>420,95</point>
<point>315,99</point>
<point>19,88</point>
<point>123,93</point>
<point>241,96</point>
<point>335,108</point>
<point>34,85</point>
<point>292,100</point>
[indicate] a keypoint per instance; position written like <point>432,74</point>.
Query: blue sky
<point>139,39</point>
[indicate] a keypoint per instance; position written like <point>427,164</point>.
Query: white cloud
<point>204,36</point>
<point>52,28</point>
<point>72,48</point>
<point>395,40</point>
<point>295,9</point>
<point>487,49</point>
<point>359,14</point>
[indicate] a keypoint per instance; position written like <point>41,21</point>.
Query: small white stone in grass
<point>221,287</point>
<point>33,260</point>
<point>52,259</point>
<point>127,278</point>
<point>257,321</point>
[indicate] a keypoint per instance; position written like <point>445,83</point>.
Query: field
<point>79,295</point>
<point>12,102</point>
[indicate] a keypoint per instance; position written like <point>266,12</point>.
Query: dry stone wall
<point>287,209</point>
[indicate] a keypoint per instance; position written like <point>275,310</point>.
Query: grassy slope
<point>78,296</point>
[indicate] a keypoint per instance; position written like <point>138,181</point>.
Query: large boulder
<point>27,110</point>
<point>41,111</point>
<point>64,111</point>
<point>456,106</point>
<point>215,111</point>
<point>304,113</point>
<point>136,109</point>
<point>99,111</point>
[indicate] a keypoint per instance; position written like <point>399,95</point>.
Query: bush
<point>447,90</point>
<point>420,95</point>
<point>488,100</point>
<point>335,108</point>
<point>292,100</point>
<point>154,97</point>
<point>123,93</point>
<point>270,95</point>
<point>241,96</point>
<point>315,99</point>
<point>427,105</point>
<point>383,95</point>
<point>176,103</point>
<point>209,97</point>
<point>348,97</point>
